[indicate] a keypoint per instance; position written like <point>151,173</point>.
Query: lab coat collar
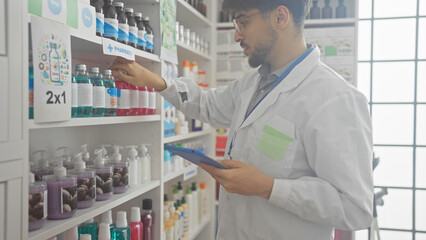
<point>296,77</point>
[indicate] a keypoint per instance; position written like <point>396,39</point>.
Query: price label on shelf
<point>190,172</point>
<point>115,48</point>
<point>52,70</point>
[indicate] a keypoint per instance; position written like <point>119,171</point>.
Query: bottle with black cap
<point>148,218</point>
<point>110,21</point>
<point>123,26</point>
<point>149,35</point>
<point>133,27</point>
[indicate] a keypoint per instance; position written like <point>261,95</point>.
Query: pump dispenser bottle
<point>37,212</point>
<point>136,226</point>
<point>85,91</point>
<point>41,167</point>
<point>145,163</point>
<point>88,227</point>
<point>104,187</point>
<point>196,204</point>
<point>86,156</point>
<point>86,191</point>
<point>62,189</point>
<point>68,164</point>
<point>110,94</point>
<point>122,230</point>
<point>134,166</point>
<point>121,171</point>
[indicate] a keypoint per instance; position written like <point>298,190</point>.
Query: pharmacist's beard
<point>259,54</point>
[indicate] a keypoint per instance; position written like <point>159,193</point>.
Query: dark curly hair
<point>298,8</point>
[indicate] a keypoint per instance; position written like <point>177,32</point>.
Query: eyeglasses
<point>237,22</point>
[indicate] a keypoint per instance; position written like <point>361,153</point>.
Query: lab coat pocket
<point>277,142</point>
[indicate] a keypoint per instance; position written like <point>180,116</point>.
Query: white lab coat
<point>324,181</point>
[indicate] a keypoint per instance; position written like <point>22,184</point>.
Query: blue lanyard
<point>278,81</point>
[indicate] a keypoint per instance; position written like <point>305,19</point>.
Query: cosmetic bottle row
<point>140,226</point>
<point>185,211</point>
<point>58,188</point>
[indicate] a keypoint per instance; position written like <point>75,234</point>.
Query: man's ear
<point>282,16</point>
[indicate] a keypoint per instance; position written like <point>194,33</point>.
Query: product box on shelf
<point>169,119</point>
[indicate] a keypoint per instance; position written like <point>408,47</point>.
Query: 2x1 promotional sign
<point>52,70</point>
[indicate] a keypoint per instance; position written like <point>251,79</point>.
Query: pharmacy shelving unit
<point>19,136</point>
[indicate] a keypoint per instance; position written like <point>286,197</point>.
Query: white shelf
<point>55,227</point>
<point>332,21</point>
<point>190,17</point>
<point>186,136</point>
<point>78,122</point>
<point>171,176</point>
<point>192,235</point>
<point>190,52</point>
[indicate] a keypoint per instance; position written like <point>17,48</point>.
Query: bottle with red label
<point>152,101</point>
<point>123,96</point>
<point>143,100</point>
<point>134,100</point>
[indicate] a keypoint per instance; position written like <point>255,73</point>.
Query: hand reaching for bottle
<point>137,75</point>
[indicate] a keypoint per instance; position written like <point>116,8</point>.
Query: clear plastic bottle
<point>41,167</point>
<point>85,91</point>
<point>145,163</point>
<point>86,156</point>
<point>122,230</point>
<point>37,211</point>
<point>123,94</point>
<point>62,193</point>
<point>134,166</point>
<point>123,26</point>
<point>98,92</point>
<point>68,163</point>
<point>149,35</point>
<point>110,21</point>
<point>110,94</point>
<point>104,186</point>
<point>141,31</point>
<point>74,97</point>
<point>133,27</point>
<point>86,191</point>
<point>97,4</point>
<point>148,219</point>
<point>121,171</point>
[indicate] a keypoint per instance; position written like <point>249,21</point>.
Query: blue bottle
<point>98,92</point>
<point>110,94</point>
<point>122,230</point>
<point>85,91</point>
<point>88,227</point>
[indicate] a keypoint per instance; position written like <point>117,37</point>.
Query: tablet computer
<point>193,156</point>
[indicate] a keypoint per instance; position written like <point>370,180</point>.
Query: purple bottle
<point>41,167</point>
<point>120,178</point>
<point>104,187</point>
<point>86,190</point>
<point>148,218</point>
<point>62,189</point>
<point>37,212</point>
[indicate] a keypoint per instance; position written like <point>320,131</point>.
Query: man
<point>300,136</point>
